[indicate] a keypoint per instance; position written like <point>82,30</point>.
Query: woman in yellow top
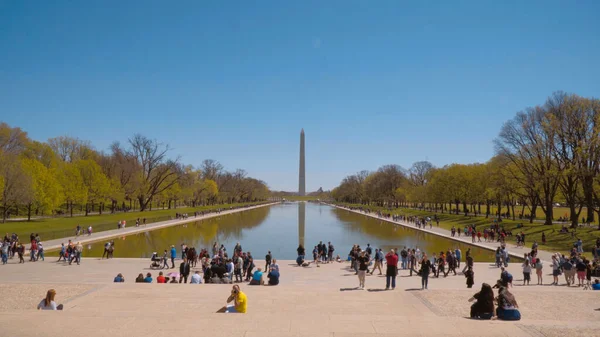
<point>240,302</point>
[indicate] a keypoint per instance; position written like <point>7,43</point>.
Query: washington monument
<point>302,177</point>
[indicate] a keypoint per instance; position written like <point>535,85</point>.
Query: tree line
<point>65,173</point>
<point>546,155</point>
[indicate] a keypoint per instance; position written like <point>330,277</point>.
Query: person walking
<point>165,260</point>
<point>392,269</point>
<point>458,255</point>
<point>173,255</point>
<point>363,263</point>
<point>184,270</point>
<point>378,261</point>
<point>538,270</point>
<point>237,271</point>
<point>527,272</point>
<point>268,259</point>
<point>425,270</point>
<point>555,270</point>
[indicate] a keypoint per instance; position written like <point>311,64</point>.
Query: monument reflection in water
<point>274,228</point>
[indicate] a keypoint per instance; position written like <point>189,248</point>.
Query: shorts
<point>555,272</point>
<point>526,276</point>
<point>581,275</point>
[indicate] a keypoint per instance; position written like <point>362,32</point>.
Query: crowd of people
<point>11,246</point>
<point>216,268</point>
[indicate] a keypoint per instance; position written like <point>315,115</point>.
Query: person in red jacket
<point>392,269</point>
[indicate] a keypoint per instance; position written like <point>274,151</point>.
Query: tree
<point>528,143</point>
<point>45,191</point>
<point>71,149</point>
<point>15,182</point>
<point>95,183</point>
<point>12,140</point>
<point>156,172</point>
<point>71,181</point>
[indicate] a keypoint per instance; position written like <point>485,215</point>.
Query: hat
<point>172,246</point>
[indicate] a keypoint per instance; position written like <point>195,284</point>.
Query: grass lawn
<point>555,241</point>
<point>54,228</point>
<point>539,213</point>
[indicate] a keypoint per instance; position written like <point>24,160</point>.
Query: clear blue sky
<point>371,82</point>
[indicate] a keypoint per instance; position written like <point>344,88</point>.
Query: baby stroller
<point>156,261</point>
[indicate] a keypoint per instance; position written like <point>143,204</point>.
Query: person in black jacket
<point>484,307</point>
<point>184,270</point>
<point>425,270</point>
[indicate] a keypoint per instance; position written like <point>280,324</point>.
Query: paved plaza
<point>313,301</point>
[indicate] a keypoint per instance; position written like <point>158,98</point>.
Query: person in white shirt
<point>196,279</point>
<point>48,302</point>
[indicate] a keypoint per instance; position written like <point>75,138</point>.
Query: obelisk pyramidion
<point>302,177</point>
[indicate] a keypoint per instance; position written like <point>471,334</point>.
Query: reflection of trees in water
<point>393,236</point>
<point>200,234</point>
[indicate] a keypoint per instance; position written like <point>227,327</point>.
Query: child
<point>470,275</point>
<point>526,272</point>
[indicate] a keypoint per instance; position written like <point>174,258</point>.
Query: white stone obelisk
<point>302,177</point>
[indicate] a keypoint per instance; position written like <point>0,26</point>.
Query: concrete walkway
<point>513,250</point>
<point>309,302</point>
<point>55,244</point>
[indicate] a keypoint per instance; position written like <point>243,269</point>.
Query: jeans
<point>172,262</point>
<point>387,281</point>
<point>41,255</point>
<point>424,280</point>
<point>403,263</point>
<point>4,258</point>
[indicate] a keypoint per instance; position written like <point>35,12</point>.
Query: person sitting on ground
<point>507,306</point>
<point>240,302</point>
<point>338,258</point>
<point>257,278</point>
<point>596,285</point>
<point>196,279</point>
<point>484,307</point>
<point>273,277</point>
<point>48,302</point>
<point>119,278</point>
<point>274,265</point>
<point>148,278</point>
<point>161,278</point>
<point>140,278</point>
<point>174,280</point>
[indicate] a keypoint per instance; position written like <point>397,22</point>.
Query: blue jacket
<point>173,253</point>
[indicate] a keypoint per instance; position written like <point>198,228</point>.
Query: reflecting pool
<point>280,229</point>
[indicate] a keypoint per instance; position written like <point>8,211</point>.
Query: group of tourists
<point>220,267</point>
<point>413,260</point>
<point>71,252</point>
<point>11,246</point>
<point>79,230</point>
